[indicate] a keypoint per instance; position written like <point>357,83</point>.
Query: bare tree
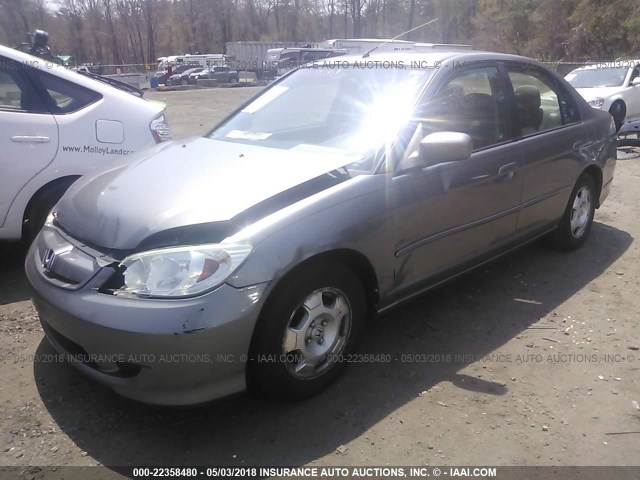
<point>137,31</point>
<point>149,9</point>
<point>108,15</point>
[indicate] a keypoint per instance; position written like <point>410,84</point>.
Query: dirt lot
<point>536,362</point>
<point>194,112</point>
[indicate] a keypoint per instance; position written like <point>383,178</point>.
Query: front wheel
<point>575,225</point>
<point>618,111</point>
<point>306,331</point>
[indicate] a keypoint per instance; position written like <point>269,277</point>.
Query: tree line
<point>139,31</point>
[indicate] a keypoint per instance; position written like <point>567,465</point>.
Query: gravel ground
<point>194,112</point>
<point>533,360</point>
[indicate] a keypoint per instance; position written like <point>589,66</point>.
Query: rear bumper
<point>167,352</point>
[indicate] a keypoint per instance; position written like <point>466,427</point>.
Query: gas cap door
<point>109,131</point>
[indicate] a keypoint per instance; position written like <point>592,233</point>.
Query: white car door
<point>28,133</point>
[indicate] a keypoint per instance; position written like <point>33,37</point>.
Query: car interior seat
<point>528,104</point>
<point>479,109</point>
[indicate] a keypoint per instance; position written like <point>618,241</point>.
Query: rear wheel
<point>575,225</point>
<point>618,111</point>
<point>306,330</point>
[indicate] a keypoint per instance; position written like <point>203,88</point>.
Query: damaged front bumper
<point>167,352</point>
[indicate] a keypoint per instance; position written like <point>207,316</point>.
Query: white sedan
<point>612,86</point>
<point>55,126</point>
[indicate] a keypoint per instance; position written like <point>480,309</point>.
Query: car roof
<point>64,73</point>
<point>435,57</point>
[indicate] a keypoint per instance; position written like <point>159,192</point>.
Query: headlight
<point>181,271</point>
<point>160,129</point>
<point>596,102</point>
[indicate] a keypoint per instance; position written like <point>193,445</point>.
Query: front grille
<point>62,262</point>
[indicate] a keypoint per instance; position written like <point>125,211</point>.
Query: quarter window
<point>61,95</point>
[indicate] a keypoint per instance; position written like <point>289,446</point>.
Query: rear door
<point>552,139</point>
<point>28,132</point>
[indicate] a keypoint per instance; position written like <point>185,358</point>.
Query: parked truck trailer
<point>252,56</point>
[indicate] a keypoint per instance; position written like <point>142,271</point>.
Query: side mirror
<point>444,147</point>
<point>635,82</point>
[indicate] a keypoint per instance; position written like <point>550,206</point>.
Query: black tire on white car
<point>618,111</point>
<point>41,205</point>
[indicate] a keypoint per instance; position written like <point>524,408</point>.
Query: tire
<point>184,82</point>
<point>312,320</point>
<point>234,80</point>
<point>575,225</point>
<point>618,111</point>
<point>39,208</point>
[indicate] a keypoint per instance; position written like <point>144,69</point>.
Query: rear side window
<point>540,103</point>
<point>61,95</point>
<point>568,107</point>
<point>16,92</point>
<point>10,92</point>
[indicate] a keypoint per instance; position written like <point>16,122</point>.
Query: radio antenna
<point>398,36</point>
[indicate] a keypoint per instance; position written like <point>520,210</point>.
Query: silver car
<point>254,256</point>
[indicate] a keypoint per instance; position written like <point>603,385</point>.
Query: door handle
<point>507,171</point>
<point>30,139</point>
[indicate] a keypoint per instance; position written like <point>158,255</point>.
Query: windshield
<point>597,77</point>
<point>333,108</point>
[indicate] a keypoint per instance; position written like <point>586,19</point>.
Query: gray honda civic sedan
<point>254,255</point>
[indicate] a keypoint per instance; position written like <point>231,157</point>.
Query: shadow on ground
<point>476,314</point>
<point>13,284</point>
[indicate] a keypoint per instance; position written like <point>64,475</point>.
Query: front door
<point>450,215</point>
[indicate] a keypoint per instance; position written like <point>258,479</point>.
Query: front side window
<point>335,108</point>
<point>537,101</point>
<point>471,102</point>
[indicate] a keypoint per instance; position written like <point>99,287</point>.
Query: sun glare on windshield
<point>356,111</point>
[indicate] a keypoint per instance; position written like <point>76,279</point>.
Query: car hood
<point>603,92</point>
<point>185,183</point>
